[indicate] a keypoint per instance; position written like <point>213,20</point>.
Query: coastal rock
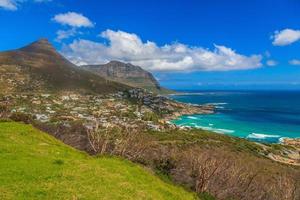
<point>292,142</point>
<point>169,108</point>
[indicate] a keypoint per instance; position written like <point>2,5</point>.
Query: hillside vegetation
<point>34,165</point>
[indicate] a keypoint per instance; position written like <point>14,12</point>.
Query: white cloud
<point>294,62</point>
<point>129,47</point>
<point>285,37</point>
<point>272,63</point>
<point>42,1</point>
<point>64,34</point>
<point>14,4</point>
<point>8,4</point>
<point>268,54</point>
<point>73,19</point>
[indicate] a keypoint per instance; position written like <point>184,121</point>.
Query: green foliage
<point>165,166</point>
<point>129,114</point>
<point>150,116</point>
<point>34,165</point>
<point>5,120</point>
<point>3,108</point>
<point>21,117</point>
<point>207,139</point>
<point>206,196</point>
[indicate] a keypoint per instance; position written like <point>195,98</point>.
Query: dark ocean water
<point>256,115</point>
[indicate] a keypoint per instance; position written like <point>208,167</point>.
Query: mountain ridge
<point>127,73</point>
<point>40,62</point>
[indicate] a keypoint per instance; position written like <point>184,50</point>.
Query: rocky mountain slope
<point>128,74</point>
<point>39,67</point>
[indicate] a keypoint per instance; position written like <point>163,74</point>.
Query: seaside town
<point>135,107</point>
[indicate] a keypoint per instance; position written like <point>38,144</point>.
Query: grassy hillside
<point>33,165</point>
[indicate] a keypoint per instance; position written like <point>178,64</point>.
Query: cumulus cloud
<point>294,62</point>
<point>129,47</point>
<point>64,34</point>
<point>267,54</point>
<point>285,37</point>
<point>73,19</point>
<point>272,63</point>
<point>14,4</point>
<point>8,4</point>
<point>41,1</point>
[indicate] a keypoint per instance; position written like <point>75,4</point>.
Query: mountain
<point>128,74</point>
<point>39,67</point>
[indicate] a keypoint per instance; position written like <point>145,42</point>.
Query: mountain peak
<point>119,63</point>
<point>39,46</point>
<point>42,68</point>
<point>126,73</point>
<point>42,40</point>
<point>115,61</point>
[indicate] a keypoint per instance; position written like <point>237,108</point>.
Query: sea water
<point>263,116</point>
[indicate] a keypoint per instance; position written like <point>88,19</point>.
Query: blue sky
<point>187,44</point>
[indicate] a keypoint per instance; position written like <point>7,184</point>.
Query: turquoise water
<point>259,116</point>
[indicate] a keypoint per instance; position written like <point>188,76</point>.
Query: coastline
<point>204,109</point>
<point>254,115</point>
<point>287,153</point>
<point>291,142</point>
<point>189,109</point>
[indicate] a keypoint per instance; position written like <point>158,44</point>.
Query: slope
<point>39,67</point>
<point>33,165</point>
<point>129,74</point>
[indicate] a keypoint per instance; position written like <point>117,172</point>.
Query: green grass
<point>34,165</point>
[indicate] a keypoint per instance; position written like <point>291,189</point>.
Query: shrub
<point>150,116</point>
<point>4,110</point>
<point>206,196</point>
<point>165,165</point>
<point>5,120</point>
<point>21,117</point>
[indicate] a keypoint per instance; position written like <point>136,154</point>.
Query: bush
<point>206,196</point>
<point>5,120</point>
<point>4,110</point>
<point>165,166</point>
<point>150,116</point>
<point>21,117</point>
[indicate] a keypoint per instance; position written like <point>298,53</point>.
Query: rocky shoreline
<point>170,109</point>
<point>190,109</point>
<point>295,142</point>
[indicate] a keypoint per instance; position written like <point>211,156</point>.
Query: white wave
<point>216,104</point>
<point>262,136</point>
<point>187,94</point>
<point>225,130</point>
<point>281,140</point>
<point>210,124</point>
<point>220,107</point>
<point>204,128</point>
<point>191,117</point>
<point>216,130</point>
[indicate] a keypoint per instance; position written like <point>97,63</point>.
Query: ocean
<point>262,116</point>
